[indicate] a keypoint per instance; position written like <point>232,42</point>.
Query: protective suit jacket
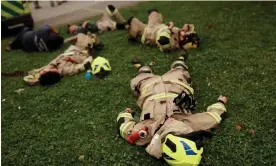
<point>68,63</point>
<point>160,115</point>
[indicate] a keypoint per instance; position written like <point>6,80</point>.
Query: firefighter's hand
<point>171,24</point>
<point>87,66</point>
<point>223,99</point>
<point>53,29</point>
<point>99,46</point>
<point>129,110</point>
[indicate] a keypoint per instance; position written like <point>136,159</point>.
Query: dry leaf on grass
<point>251,132</point>
<point>210,26</point>
<point>81,157</point>
<point>239,127</point>
<point>152,63</point>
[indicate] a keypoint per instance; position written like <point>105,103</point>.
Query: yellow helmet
<point>179,151</point>
<point>100,65</point>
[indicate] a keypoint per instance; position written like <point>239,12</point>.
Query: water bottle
<point>88,75</point>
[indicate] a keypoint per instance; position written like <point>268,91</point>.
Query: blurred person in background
<point>52,3</point>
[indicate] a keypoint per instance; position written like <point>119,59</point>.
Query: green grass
<point>56,125</point>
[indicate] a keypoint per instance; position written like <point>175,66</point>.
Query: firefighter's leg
<point>154,18</point>
<point>207,120</point>
<point>135,28</point>
<point>139,65</point>
<point>143,73</point>
<point>36,4</point>
<point>52,3</point>
<point>17,42</point>
<point>179,73</point>
<point>115,15</point>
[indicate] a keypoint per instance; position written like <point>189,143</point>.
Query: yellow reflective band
<point>109,12</point>
<point>191,90</point>
<point>180,62</point>
<point>162,29</point>
<point>26,7</point>
<point>188,45</point>
<point>31,76</point>
<point>192,26</point>
<point>124,115</point>
<point>163,33</point>
<point>12,7</point>
<point>219,106</point>
<point>144,90</point>
<point>114,23</point>
<point>125,127</point>
<point>5,14</point>
<point>215,115</point>
<point>161,95</point>
<point>143,36</point>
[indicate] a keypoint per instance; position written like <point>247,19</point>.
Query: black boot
<point>136,63</point>
<point>152,10</point>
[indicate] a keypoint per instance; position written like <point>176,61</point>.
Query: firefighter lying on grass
<point>165,36</point>
<point>44,39</point>
<point>166,123</point>
<point>110,21</point>
<point>75,59</point>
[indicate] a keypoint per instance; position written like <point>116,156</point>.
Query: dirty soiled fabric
<point>160,116</point>
<point>70,62</point>
<point>150,33</point>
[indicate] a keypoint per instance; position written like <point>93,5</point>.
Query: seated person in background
<point>110,21</point>
<point>44,39</point>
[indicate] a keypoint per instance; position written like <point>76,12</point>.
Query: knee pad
<point>152,10</point>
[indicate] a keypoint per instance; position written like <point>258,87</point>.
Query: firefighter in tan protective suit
<point>166,102</point>
<point>74,60</point>
<point>110,21</point>
<point>157,33</point>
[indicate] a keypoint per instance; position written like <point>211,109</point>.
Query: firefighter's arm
<point>70,39</point>
<point>217,109</point>
<point>76,68</point>
<point>170,25</point>
<point>52,29</point>
<point>125,122</point>
<point>84,24</point>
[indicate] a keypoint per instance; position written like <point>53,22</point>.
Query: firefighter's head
<point>49,76</point>
<point>71,28</point>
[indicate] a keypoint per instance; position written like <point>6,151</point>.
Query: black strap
<point>185,101</point>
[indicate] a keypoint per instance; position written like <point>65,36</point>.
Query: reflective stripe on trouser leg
<point>145,69</point>
<point>217,106</point>
<point>179,63</point>
<point>125,127</point>
<point>215,115</point>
